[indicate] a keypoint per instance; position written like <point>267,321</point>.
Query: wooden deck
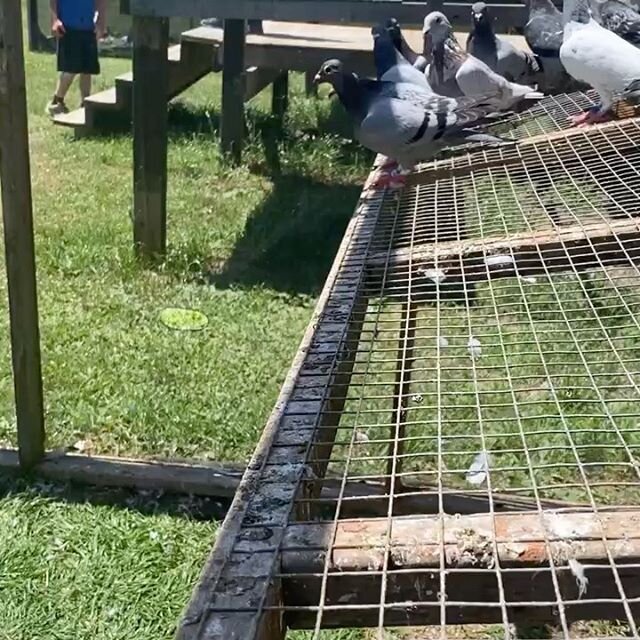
<point>300,46</point>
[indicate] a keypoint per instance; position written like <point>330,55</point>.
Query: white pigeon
<point>454,72</point>
<point>592,54</point>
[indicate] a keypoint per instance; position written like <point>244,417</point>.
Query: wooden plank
<point>17,215</point>
<point>304,47</point>
<point>280,97</point>
<point>190,477</point>
<point>201,478</point>
<point>523,546</point>
<point>590,245</point>
<point>150,99</point>
<point>233,89</point>
<point>341,11</point>
<point>230,598</point>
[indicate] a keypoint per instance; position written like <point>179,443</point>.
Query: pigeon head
<point>480,14</point>
<point>331,71</point>
<point>436,30</point>
<point>393,27</point>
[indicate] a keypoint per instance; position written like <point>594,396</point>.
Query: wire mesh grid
<point>459,440</point>
<point>551,114</point>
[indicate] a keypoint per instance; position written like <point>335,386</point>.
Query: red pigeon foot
<point>591,116</point>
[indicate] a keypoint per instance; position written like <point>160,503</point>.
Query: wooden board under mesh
<point>458,440</point>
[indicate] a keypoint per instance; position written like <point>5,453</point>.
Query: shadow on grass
<point>290,242</point>
<point>144,502</point>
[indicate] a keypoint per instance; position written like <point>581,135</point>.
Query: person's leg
<point>85,86</point>
<point>57,104</point>
<point>65,80</point>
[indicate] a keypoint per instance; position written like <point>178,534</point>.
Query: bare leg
<point>85,86</point>
<point>64,84</point>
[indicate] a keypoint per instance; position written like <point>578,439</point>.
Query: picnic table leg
<point>233,85</point>
<point>18,237</point>
<point>280,98</point>
<point>150,102</point>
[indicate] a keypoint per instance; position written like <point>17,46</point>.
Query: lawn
<point>250,247</point>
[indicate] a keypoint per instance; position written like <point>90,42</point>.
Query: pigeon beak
<point>317,79</point>
<point>477,17</point>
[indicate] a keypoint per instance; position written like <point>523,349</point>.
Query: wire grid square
<point>496,371</point>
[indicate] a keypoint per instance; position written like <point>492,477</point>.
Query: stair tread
<point>76,118</point>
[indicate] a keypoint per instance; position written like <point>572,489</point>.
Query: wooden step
<point>107,99</point>
<point>75,119</point>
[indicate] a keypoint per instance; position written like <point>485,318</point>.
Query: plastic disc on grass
<point>183,319</point>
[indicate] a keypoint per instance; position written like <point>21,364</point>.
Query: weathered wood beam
<point>189,476</point>
<point>233,89</point>
<point>258,79</point>
<point>150,102</point>
<point>349,11</point>
<point>280,96</point>
<point>578,247</point>
<point>17,214</point>
<point>201,478</point>
<point>522,546</point>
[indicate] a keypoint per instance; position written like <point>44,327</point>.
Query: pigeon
<point>499,54</point>
<point>544,29</point>
<point>597,56</point>
<point>415,59</point>
<point>404,121</point>
<point>620,18</point>
<point>453,72</point>
<point>391,65</point>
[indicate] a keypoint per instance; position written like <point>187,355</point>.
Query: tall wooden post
<point>280,96</point>
<point>18,237</point>
<point>233,85</point>
<point>150,101</point>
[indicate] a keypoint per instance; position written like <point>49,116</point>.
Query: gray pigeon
<point>543,33</point>
<point>391,65</point>
<point>415,59</point>
<point>454,72</point>
<point>404,121</point>
<point>620,18</point>
<point>499,54</point>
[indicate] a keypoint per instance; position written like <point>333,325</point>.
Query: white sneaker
<point>56,108</point>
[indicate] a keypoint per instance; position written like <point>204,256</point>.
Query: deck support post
<point>233,89</point>
<point>17,213</point>
<point>280,97</point>
<point>150,101</point>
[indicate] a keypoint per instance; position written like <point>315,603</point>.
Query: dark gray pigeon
<point>620,18</point>
<point>543,33</point>
<point>399,41</point>
<point>499,54</point>
<point>404,121</point>
<point>391,65</point>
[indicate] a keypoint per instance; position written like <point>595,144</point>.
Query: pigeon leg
<point>591,116</point>
<point>392,179</point>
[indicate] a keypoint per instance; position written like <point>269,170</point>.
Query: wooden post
<point>150,99</point>
<point>310,87</point>
<point>280,97</point>
<point>233,80</point>
<point>18,237</point>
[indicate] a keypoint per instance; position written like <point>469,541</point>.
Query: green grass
<point>250,247</point>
